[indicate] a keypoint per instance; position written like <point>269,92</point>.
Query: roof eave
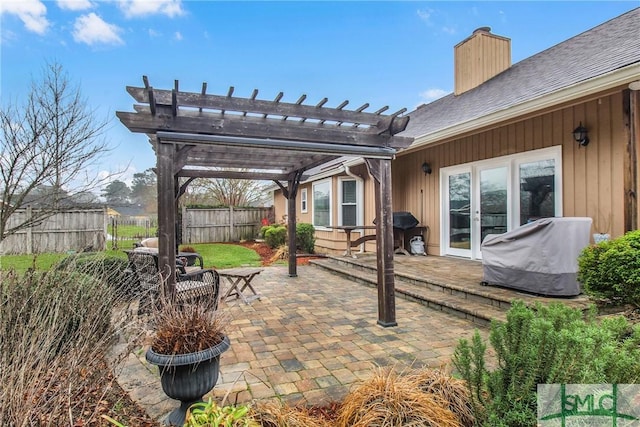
<point>592,86</point>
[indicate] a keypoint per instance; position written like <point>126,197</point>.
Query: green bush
<point>549,345</point>
<point>305,237</point>
<point>611,269</point>
<point>275,235</point>
<point>111,270</point>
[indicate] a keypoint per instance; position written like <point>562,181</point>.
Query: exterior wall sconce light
<point>426,168</point>
<point>580,135</point>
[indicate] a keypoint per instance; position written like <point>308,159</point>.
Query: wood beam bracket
<point>392,125</point>
<point>183,187</point>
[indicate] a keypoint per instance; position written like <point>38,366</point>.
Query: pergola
<point>200,135</point>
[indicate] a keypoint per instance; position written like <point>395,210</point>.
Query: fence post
<point>231,229</point>
<point>29,231</point>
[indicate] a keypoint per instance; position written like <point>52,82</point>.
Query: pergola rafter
<point>195,134</point>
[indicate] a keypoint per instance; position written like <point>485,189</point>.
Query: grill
<point>404,220</point>
<point>405,226</point>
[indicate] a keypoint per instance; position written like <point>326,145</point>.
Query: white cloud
<point>178,36</point>
<point>503,17</point>
<point>32,13</point>
<point>154,33</point>
<point>74,4</point>
<point>91,29</point>
<point>449,30</point>
<point>135,8</point>
<point>432,94</point>
<point>123,173</point>
<point>425,15</point>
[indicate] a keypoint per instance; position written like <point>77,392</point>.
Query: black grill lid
<point>403,220</point>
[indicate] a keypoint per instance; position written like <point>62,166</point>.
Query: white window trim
<point>313,206</point>
<point>304,203</point>
<point>359,200</point>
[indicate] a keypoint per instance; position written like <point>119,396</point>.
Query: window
<point>322,203</point>
<point>348,202</point>
<point>303,200</point>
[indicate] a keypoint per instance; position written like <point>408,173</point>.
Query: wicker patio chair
<point>202,286</point>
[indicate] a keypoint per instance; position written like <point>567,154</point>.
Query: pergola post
<point>291,231</point>
<point>166,216</point>
<point>380,170</point>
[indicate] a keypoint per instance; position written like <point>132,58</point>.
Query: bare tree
<point>226,192</point>
<point>51,141</point>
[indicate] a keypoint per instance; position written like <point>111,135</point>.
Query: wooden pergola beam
<point>256,106</point>
<point>258,127</point>
<point>259,176</point>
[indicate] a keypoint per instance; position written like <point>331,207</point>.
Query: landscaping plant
<point>55,328</point>
<point>551,344</point>
<point>611,269</point>
<point>110,269</point>
<point>274,235</point>
<point>305,237</point>
<point>209,414</point>
<point>275,413</point>
<point>187,328</point>
<point>390,399</point>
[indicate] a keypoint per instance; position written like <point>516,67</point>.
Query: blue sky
<point>391,53</point>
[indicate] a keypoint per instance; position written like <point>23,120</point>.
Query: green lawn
<point>216,255</point>
<point>132,231</point>
<point>221,255</point>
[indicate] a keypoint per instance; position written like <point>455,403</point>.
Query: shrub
<point>549,345</point>
<point>111,270</point>
<point>55,328</point>
<point>305,237</point>
<point>275,235</point>
<point>611,270</point>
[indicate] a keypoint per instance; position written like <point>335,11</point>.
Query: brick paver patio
<point>308,340</point>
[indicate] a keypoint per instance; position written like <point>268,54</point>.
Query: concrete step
<point>476,308</point>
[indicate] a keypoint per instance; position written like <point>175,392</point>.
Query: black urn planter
<point>188,377</point>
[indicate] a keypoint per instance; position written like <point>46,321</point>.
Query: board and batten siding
<point>593,176</point>
<point>68,230</point>
<point>223,224</point>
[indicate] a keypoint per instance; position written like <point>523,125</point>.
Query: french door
<point>497,195</point>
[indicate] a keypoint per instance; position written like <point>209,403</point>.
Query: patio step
<point>451,299</point>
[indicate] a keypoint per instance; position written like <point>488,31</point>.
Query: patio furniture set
<point>193,281</point>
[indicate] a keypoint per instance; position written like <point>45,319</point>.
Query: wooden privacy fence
<point>67,230</point>
<point>223,224</point>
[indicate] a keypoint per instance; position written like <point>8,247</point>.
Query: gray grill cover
<point>540,257</point>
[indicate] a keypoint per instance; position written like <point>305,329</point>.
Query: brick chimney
<point>478,58</point>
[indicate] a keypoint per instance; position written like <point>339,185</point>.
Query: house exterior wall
<point>593,176</point>
<point>333,241</point>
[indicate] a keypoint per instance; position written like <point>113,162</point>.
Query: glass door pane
<point>459,211</point>
<point>537,196</point>
<point>493,201</point>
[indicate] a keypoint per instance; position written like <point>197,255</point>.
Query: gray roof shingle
<point>600,50</point>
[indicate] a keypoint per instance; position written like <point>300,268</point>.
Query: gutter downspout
<point>361,181</point>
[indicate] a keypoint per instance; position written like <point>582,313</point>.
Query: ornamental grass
<point>391,400</point>
<point>187,328</point>
<point>451,390</point>
<point>272,413</point>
